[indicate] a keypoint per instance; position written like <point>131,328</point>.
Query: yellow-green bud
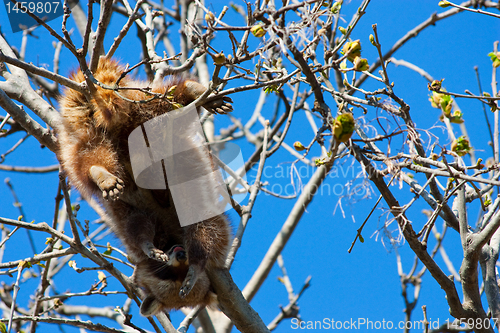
<point>372,40</point>
<point>171,90</point>
<point>210,18</point>
<point>336,7</point>
<point>361,64</point>
<point>435,99</point>
<point>495,57</point>
<point>220,58</point>
<point>446,107</point>
<point>298,146</point>
<point>443,3</point>
<point>487,201</point>
<point>352,49</point>
<point>435,85</point>
<point>343,64</point>
<point>258,30</point>
<point>343,127</point>
<point>479,165</point>
<point>456,118</point>
<point>461,146</point>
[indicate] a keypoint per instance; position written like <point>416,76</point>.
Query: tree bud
<point>258,30</point>
<point>343,127</point>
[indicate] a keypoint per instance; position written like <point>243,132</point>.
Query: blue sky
<point>362,284</point>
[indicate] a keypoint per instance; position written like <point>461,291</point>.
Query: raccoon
<point>93,151</point>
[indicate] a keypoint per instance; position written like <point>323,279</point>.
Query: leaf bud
<point>352,49</point>
<point>343,127</point>
<point>298,146</point>
<point>336,7</point>
<point>461,146</point>
<point>210,18</point>
<point>361,64</point>
<point>258,30</point>
<point>220,58</point>
<point>372,40</point>
<point>435,85</point>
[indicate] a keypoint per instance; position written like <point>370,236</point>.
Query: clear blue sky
<point>363,284</point>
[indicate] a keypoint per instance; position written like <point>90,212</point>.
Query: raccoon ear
<point>150,306</point>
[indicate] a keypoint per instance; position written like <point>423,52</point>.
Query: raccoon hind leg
<point>136,230</point>
<point>110,185</point>
<point>192,276</point>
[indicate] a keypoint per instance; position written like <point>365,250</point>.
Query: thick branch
<point>233,304</point>
<point>98,50</point>
<point>411,237</point>
<point>43,135</point>
<point>41,71</point>
<point>286,231</point>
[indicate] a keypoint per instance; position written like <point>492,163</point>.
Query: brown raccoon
<point>94,154</point>
<point>162,281</point>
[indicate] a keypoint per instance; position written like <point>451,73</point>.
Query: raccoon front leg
<point>154,253</point>
<point>192,276</point>
<point>110,185</point>
<point>140,230</point>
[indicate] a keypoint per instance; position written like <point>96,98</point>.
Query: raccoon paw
<point>110,185</point>
<point>220,105</point>
<point>190,280</point>
<point>152,252</point>
<point>112,188</point>
<point>157,254</point>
